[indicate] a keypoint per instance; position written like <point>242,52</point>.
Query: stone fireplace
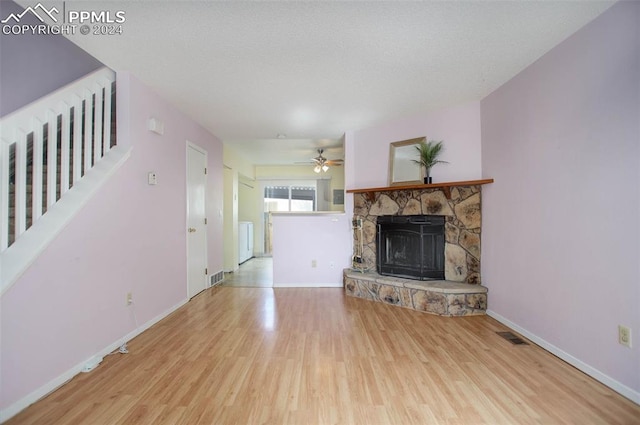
<point>459,204</point>
<point>461,208</point>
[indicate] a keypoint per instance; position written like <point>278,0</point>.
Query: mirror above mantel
<point>402,168</point>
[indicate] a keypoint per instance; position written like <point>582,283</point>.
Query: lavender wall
<point>129,238</point>
<point>561,223</point>
<point>32,66</point>
<point>458,126</point>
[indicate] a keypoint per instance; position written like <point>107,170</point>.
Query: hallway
<point>254,273</point>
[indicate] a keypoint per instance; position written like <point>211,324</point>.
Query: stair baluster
<point>48,146</point>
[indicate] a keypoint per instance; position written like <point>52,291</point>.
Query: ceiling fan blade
<point>321,160</point>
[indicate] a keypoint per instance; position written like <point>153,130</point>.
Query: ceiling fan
<point>322,164</point>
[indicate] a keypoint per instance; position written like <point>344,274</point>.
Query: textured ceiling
<point>313,70</point>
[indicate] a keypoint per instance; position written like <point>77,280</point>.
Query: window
<point>289,198</point>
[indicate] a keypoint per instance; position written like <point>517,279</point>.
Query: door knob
<point>192,229</point>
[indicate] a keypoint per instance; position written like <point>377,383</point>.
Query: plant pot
<point>427,180</point>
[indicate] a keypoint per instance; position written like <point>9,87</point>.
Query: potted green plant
<point>428,153</point>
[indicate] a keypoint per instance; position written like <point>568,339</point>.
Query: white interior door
<point>196,220</point>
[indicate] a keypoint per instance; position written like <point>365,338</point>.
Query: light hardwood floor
<point>315,356</point>
<point>254,273</point>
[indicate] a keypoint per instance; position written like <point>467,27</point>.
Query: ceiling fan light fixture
<point>321,164</point>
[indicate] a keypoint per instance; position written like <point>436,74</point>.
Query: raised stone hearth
<point>439,297</point>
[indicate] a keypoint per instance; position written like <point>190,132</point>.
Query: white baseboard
<point>618,387</point>
<point>54,384</point>
<point>308,285</point>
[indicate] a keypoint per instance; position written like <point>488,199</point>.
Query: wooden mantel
<point>445,186</point>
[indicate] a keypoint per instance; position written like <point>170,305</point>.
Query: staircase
<point>54,153</point>
<point>61,185</point>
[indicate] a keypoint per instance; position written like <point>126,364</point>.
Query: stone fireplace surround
<point>461,293</point>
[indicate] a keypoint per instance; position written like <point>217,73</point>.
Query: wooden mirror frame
<point>398,160</point>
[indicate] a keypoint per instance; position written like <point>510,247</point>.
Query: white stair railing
<point>32,182</point>
<point>56,150</point>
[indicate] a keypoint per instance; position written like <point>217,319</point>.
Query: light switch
<point>153,178</point>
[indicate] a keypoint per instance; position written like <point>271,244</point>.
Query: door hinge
<point>205,221</point>
<point>205,170</point>
<point>206,271</point>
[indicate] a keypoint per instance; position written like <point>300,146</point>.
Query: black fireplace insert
<point>411,246</point>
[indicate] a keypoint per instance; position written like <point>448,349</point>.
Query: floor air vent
<point>512,338</point>
<point>216,278</point>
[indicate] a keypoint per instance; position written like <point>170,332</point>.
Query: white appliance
<point>245,241</point>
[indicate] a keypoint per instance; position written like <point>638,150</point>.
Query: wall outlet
<point>314,263</point>
<point>129,298</point>
<point>152,178</point>
<point>624,336</point>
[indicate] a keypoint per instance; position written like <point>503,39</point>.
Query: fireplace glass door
<point>411,246</point>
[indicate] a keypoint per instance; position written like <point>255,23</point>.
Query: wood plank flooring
<point>315,356</point>
<point>254,273</point>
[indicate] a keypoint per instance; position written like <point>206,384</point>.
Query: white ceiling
<point>312,70</point>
